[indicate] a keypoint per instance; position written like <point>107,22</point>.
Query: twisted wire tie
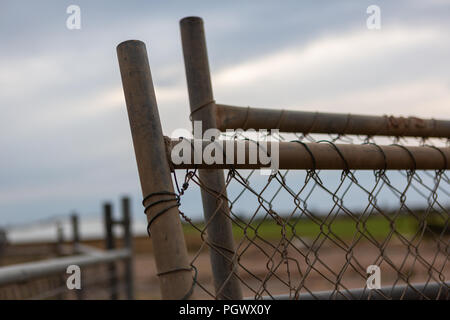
<point>200,107</point>
<point>175,198</point>
<point>160,213</point>
<point>194,279</point>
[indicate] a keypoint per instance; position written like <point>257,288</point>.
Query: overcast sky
<point>65,140</point>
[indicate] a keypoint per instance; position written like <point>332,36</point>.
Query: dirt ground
<point>263,273</point>
<point>329,263</point>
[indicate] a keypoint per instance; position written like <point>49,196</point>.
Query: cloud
<point>326,52</point>
<point>423,97</point>
<point>360,72</point>
<point>65,133</point>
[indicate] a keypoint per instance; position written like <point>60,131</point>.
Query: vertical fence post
<point>75,233</point>
<point>60,252</point>
<point>76,244</point>
<point>110,245</point>
<point>128,243</point>
<point>203,109</point>
<point>154,172</point>
<point>59,239</point>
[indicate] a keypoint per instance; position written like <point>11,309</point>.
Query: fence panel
<point>358,200</point>
<point>299,232</point>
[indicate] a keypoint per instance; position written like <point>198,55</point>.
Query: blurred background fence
<point>39,270</point>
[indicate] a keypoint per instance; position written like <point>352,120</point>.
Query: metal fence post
<point>60,252</point>
<point>59,246</point>
<point>110,245</point>
<point>75,232</point>
<point>202,107</point>
<point>76,246</point>
<point>166,232</point>
<point>128,243</point>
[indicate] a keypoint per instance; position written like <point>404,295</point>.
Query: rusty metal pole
<point>326,156</point>
<point>203,109</point>
<point>154,172</point>
<point>232,117</point>
<point>128,243</point>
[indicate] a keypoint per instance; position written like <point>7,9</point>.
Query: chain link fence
<point>354,201</point>
<point>299,232</point>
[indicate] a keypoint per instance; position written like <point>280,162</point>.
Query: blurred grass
<point>342,227</point>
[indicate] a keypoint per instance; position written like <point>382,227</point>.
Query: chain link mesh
<point>298,232</point>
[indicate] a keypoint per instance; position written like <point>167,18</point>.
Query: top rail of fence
<point>299,155</point>
<point>233,117</point>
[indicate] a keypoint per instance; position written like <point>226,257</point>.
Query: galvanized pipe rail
<point>58,266</point>
<point>232,117</point>
<point>293,155</point>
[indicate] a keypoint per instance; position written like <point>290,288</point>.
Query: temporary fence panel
<point>352,193</point>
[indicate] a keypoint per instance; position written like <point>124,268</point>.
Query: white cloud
<point>359,72</point>
<point>327,51</point>
<point>425,98</point>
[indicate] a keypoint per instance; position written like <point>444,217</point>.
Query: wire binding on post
<point>161,212</point>
<point>200,107</point>
<point>176,198</point>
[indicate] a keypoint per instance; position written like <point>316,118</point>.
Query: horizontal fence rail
<point>32,270</point>
<point>311,230</point>
<point>430,291</point>
<point>330,156</point>
<point>231,117</point>
<point>40,270</point>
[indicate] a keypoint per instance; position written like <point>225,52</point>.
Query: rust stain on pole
<point>293,155</point>
<point>232,117</point>
<point>203,109</point>
<point>154,172</point>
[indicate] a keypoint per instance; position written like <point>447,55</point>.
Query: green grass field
<point>343,227</point>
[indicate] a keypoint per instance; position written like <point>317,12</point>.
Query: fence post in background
<point>203,107</point>
<point>59,239</point>
<point>128,243</point>
<point>75,232</point>
<point>166,232</point>
<point>60,252</point>
<point>110,245</point>
<point>3,243</point>
<point>76,244</point>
